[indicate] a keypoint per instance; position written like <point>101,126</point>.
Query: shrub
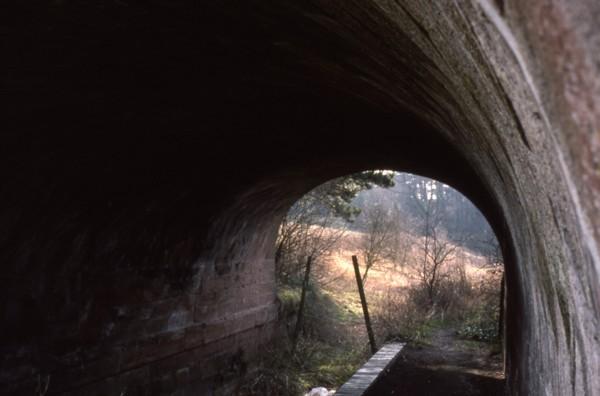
<point>407,314</point>
<point>480,327</point>
<point>398,315</point>
<point>274,374</point>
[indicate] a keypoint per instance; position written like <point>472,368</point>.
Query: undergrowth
<point>326,354</point>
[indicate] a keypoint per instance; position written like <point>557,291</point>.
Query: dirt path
<point>448,366</point>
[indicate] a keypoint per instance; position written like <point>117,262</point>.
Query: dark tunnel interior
<point>150,149</point>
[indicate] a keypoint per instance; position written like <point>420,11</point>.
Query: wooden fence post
<point>299,318</point>
<point>363,301</point>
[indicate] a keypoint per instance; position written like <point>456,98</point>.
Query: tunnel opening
<point>430,266</point>
<point>151,150</point>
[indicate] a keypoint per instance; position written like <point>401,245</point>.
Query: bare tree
<point>377,241</point>
<point>429,198</point>
<point>437,252</point>
<point>402,239</point>
<point>387,228</point>
<point>308,230</point>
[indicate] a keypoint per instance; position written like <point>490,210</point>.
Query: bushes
<point>326,355</point>
<point>482,316</point>
<point>397,315</point>
<point>274,375</point>
<point>313,364</point>
<point>472,307</point>
<point>480,328</point>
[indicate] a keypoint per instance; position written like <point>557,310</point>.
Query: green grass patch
<point>346,305</point>
<point>289,297</point>
<point>313,364</point>
<point>326,355</point>
<point>328,365</point>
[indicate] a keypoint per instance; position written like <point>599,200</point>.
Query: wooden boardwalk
<point>371,371</point>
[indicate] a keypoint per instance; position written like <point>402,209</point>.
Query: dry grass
<point>337,273</point>
<point>386,281</point>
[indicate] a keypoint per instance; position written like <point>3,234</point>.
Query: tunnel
<point>150,149</point>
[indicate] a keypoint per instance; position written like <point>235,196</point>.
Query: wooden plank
<point>366,376</point>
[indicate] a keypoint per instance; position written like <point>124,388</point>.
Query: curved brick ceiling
<point>150,150</point>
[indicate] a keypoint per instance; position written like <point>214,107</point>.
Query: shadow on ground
<point>447,370</point>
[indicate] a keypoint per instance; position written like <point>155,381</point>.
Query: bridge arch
<point>150,152</point>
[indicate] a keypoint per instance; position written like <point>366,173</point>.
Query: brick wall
<point>133,326</point>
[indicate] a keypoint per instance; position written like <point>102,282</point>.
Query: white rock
<point>320,391</point>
